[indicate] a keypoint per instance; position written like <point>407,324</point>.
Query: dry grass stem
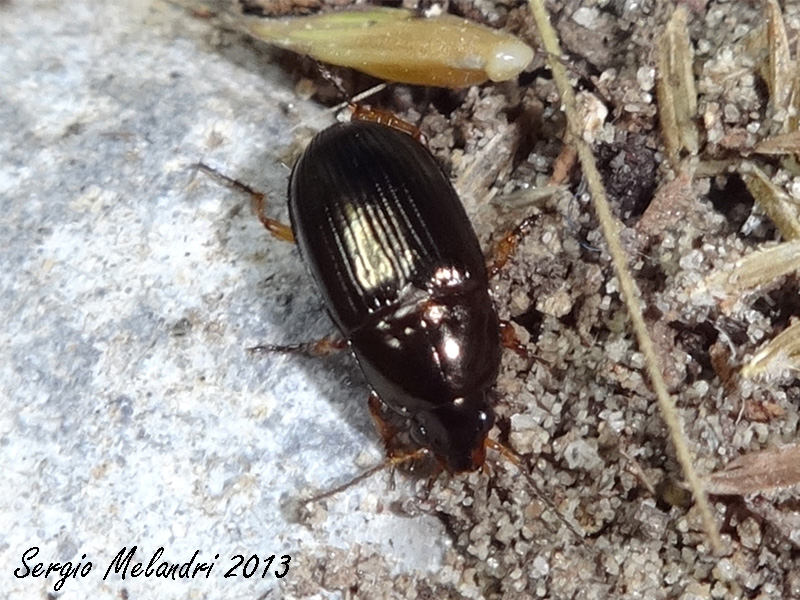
<point>611,226</point>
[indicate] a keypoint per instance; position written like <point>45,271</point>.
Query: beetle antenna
<point>328,76</point>
<point>353,101</point>
<point>336,109</point>
<point>516,460</point>
<point>504,451</point>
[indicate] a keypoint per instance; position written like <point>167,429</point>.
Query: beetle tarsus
<point>278,230</point>
<point>318,348</point>
<point>504,451</point>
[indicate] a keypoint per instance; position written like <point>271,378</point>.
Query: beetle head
<point>456,432</point>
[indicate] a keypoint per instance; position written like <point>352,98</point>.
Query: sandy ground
<point>131,287</point>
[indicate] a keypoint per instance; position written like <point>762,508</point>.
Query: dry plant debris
<point>780,355</point>
<point>758,472</point>
<point>777,204</point>
<point>783,75</point>
<point>763,267</point>
<point>677,94</point>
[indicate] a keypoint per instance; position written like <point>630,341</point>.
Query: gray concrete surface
<point>132,414</point>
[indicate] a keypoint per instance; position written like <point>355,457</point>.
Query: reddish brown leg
<point>395,456</point>
<point>323,347</point>
<point>319,348</point>
<point>364,113</point>
<point>507,246</point>
<point>388,432</point>
<point>509,339</point>
<point>257,199</point>
<point>504,451</point>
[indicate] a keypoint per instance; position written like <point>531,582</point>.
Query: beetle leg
<point>278,230</point>
<point>436,471</point>
<point>507,246</point>
<point>386,430</point>
<point>319,348</point>
<point>364,113</point>
<point>348,484</point>
<point>504,451</point>
<point>510,340</point>
<point>384,464</point>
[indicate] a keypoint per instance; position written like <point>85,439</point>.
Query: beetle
<point>403,277</point>
<point>402,274</point>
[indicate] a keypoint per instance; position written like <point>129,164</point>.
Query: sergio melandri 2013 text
<point>123,564</point>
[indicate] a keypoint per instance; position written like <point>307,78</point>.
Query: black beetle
<point>398,263</point>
